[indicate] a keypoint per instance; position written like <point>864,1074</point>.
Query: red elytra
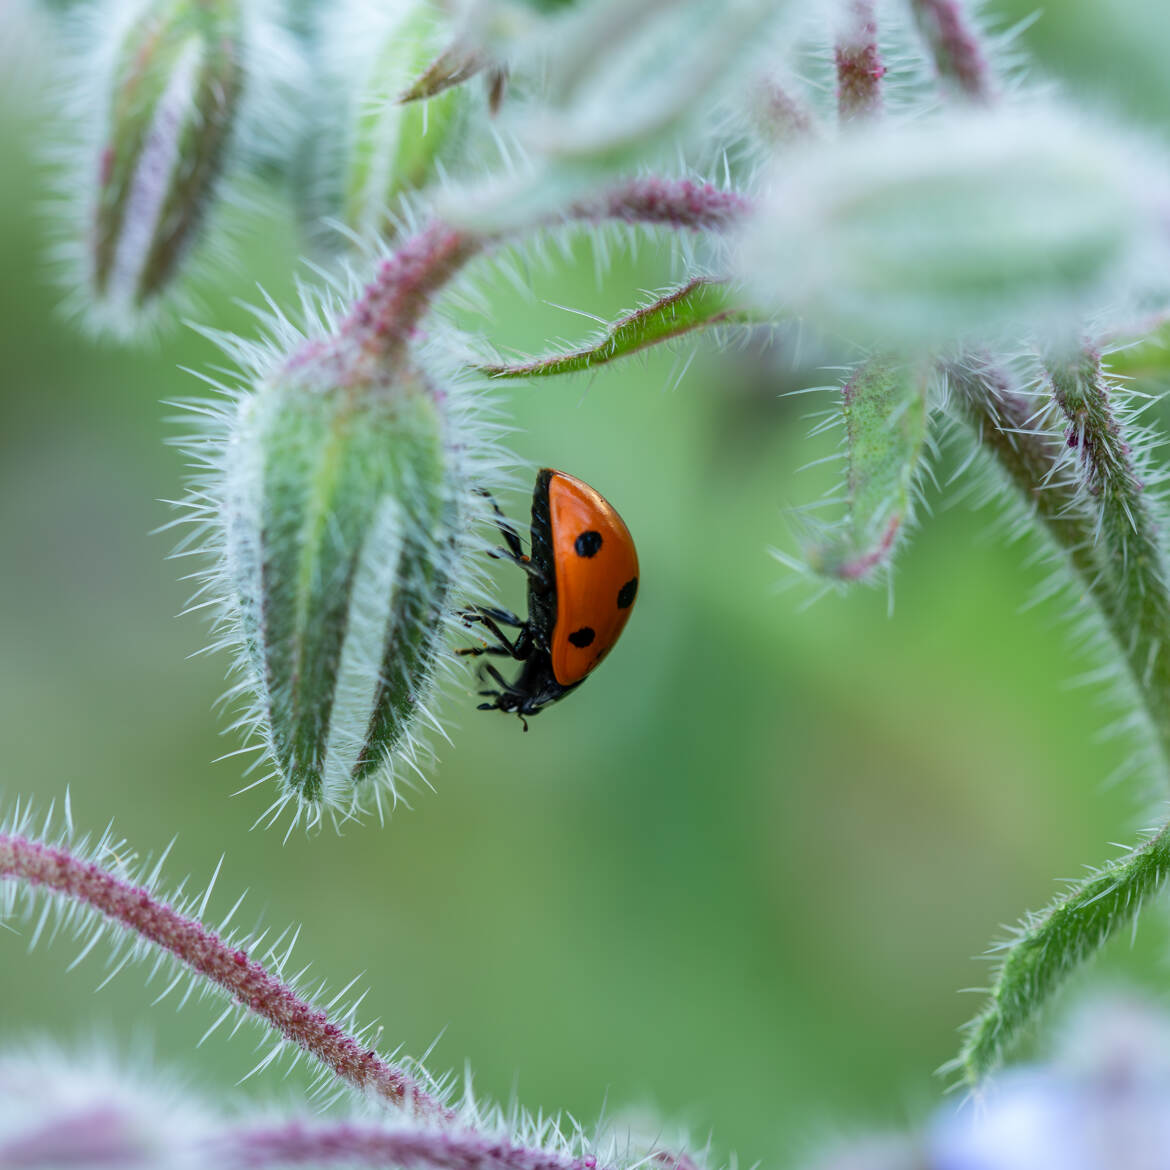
<point>582,582</point>
<point>596,570</point>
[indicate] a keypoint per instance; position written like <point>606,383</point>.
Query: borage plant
<point>974,248</point>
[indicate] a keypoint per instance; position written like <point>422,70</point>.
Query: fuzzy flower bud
<point>170,97</point>
<point>340,541</point>
<point>967,225</point>
<point>335,492</point>
<point>623,76</point>
<point>385,147</point>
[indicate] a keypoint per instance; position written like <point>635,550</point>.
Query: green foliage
<point>699,304</point>
<point>884,405</point>
<point>342,496</point>
<point>1103,519</point>
<point>1049,946</point>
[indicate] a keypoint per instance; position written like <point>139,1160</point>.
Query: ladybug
<point>582,581</point>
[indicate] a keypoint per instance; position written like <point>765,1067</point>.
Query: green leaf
<point>884,404</point>
<point>1050,946</point>
<point>699,304</point>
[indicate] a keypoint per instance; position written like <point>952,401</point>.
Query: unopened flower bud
<point>624,76</point>
<point>170,101</point>
<point>342,521</point>
<point>382,147</point>
<point>969,225</point>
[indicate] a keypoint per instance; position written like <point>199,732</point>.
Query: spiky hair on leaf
<point>701,304</point>
<point>1072,439</point>
<point>883,411</point>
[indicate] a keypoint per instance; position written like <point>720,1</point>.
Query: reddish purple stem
<point>859,65</point>
<point>350,1144</point>
<point>384,318</point>
<point>383,321</point>
<point>958,55</point>
<point>859,567</point>
<point>205,953</point>
<point>781,117</point>
<point>296,1144</point>
<point>101,1136</point>
<point>677,203</point>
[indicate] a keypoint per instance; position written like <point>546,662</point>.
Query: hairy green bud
<point>172,98</point>
<point>384,141</point>
<point>624,77</point>
<point>974,224</point>
<point>343,517</point>
<point>335,492</point>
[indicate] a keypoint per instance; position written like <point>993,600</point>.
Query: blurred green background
<point>736,882</point>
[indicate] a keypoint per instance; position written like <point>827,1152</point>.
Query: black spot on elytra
<point>627,593</point>
<point>588,543</point>
<point>582,637</point>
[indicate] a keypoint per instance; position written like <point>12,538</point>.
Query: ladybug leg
<point>505,617</point>
<point>515,550</point>
<point>502,700</point>
<point>507,699</point>
<point>476,651</point>
<point>512,701</point>
<point>518,559</point>
<point>519,649</point>
<point>505,686</point>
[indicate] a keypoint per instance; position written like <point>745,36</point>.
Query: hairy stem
<point>1051,945</point>
<point>677,203</point>
<point>779,116</point>
<point>1003,424</point>
<point>1132,591</point>
<point>202,951</point>
<point>1105,526</point>
<point>385,316</point>
<point>954,44</point>
<point>351,1144</point>
<point>859,64</point>
<point>383,320</point>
